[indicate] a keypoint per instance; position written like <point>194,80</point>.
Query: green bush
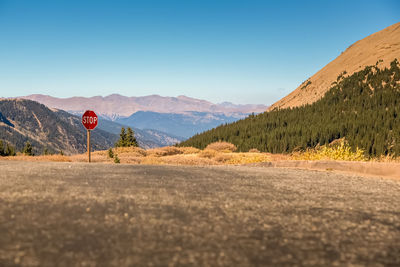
<point>116,159</point>
<point>28,149</point>
<point>110,153</point>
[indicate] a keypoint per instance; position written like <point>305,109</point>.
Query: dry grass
<point>221,155</point>
<point>207,153</point>
<point>388,158</point>
<point>164,151</point>
<point>53,158</point>
<point>242,158</point>
<point>222,147</point>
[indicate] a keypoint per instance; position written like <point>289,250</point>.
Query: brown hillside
<point>383,45</point>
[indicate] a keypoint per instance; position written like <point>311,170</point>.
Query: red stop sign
<point>89,119</point>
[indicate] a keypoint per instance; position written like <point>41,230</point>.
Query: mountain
<point>146,138</point>
<point>172,118</point>
<point>382,47</point>
<point>114,106</point>
<point>186,124</point>
<point>360,106</point>
<point>363,109</point>
<point>25,120</point>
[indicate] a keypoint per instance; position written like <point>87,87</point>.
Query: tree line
<point>362,108</point>
<point>8,150</point>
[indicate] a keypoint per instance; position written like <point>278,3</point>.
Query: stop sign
<point>89,119</point>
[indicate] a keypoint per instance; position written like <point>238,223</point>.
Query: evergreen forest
<point>363,109</point>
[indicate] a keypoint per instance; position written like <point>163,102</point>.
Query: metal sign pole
<point>88,144</point>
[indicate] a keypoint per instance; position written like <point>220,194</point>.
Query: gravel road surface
<point>77,214</point>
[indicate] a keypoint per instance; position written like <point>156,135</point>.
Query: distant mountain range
<point>147,138</point>
<point>56,130</point>
<point>184,125</point>
<point>176,117</point>
<point>115,106</point>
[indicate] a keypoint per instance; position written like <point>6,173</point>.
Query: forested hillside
<point>363,108</point>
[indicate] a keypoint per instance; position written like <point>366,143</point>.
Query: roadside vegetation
<point>218,153</point>
<point>339,150</point>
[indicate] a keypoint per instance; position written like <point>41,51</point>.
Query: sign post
<point>89,120</point>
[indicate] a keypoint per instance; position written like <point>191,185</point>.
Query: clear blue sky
<point>221,50</point>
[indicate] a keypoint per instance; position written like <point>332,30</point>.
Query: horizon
<point>215,51</point>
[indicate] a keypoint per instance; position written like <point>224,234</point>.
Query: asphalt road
<point>75,214</point>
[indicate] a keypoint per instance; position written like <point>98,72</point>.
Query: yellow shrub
<point>341,151</point>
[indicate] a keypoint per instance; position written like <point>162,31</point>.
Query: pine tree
<point>10,151</point>
<point>122,139</point>
<point>131,140</point>
<point>110,153</point>
<point>46,151</point>
<point>2,152</point>
<point>126,139</point>
<point>28,149</point>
